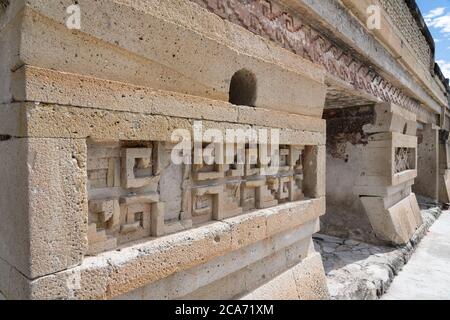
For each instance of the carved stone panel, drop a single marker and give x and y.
(125, 187)
(124, 203)
(404, 159)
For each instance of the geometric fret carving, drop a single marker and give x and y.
(124, 189)
(276, 22)
(124, 203)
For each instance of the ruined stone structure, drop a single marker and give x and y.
(91, 205)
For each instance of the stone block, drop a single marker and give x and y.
(157, 219)
(13, 284)
(427, 182)
(248, 228)
(9, 56)
(392, 118)
(179, 65)
(314, 179)
(143, 264)
(291, 215)
(305, 281)
(137, 168)
(395, 224)
(44, 204)
(40, 120)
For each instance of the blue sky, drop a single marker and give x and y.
(437, 16)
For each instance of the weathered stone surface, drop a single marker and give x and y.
(118, 272)
(396, 224)
(41, 120)
(43, 204)
(226, 277)
(181, 70)
(94, 208)
(13, 284)
(392, 118)
(375, 156)
(305, 281)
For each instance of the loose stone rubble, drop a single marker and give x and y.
(361, 271)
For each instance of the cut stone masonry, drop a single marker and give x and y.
(92, 205)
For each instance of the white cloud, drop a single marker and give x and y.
(439, 19)
(435, 13)
(445, 67)
(442, 22)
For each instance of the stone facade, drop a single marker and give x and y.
(403, 19)
(93, 206)
(372, 164)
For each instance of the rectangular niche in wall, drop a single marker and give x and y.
(243, 186)
(127, 181)
(123, 194)
(405, 159)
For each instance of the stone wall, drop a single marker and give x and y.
(93, 205)
(401, 16)
(371, 166)
(346, 140)
(100, 208)
(427, 183)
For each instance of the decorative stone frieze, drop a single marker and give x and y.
(275, 21)
(124, 189)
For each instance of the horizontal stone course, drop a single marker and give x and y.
(113, 273)
(174, 67)
(242, 270)
(56, 121)
(302, 282)
(53, 87)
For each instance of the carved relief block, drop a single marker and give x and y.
(285, 160)
(125, 184)
(256, 195)
(405, 159)
(232, 200)
(212, 166)
(207, 203)
(104, 215)
(251, 161)
(208, 172)
(236, 169)
(124, 204)
(134, 221)
(248, 197)
(137, 167)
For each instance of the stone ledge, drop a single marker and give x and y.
(360, 271)
(305, 281)
(236, 273)
(117, 272)
(55, 121)
(62, 88)
(352, 32)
